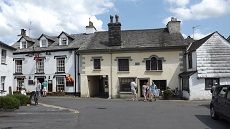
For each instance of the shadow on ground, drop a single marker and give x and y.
(213, 124)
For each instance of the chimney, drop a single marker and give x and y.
(173, 26)
(114, 31)
(90, 28)
(23, 32)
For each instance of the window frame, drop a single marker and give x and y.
(40, 67)
(97, 66)
(3, 56)
(18, 67)
(58, 63)
(62, 39)
(126, 83)
(23, 44)
(3, 81)
(44, 44)
(190, 60)
(60, 87)
(123, 68)
(208, 85)
(149, 64)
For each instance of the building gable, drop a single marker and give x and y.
(213, 57)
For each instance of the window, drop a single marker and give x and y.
(64, 41)
(20, 82)
(154, 64)
(3, 57)
(3, 82)
(18, 66)
(60, 65)
(223, 92)
(125, 84)
(97, 63)
(60, 84)
(40, 66)
(123, 64)
(23, 44)
(190, 60)
(44, 43)
(209, 82)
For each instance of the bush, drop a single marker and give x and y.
(9, 102)
(167, 94)
(23, 99)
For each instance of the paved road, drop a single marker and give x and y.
(123, 114)
(113, 114)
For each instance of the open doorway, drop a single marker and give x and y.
(41, 80)
(141, 82)
(98, 86)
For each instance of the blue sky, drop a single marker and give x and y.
(53, 16)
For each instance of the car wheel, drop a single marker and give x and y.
(213, 113)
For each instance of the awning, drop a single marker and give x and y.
(186, 74)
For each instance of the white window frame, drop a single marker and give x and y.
(23, 44)
(60, 83)
(3, 56)
(40, 65)
(60, 62)
(43, 43)
(3, 80)
(18, 68)
(62, 39)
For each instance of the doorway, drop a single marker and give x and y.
(50, 86)
(98, 86)
(141, 82)
(41, 80)
(161, 84)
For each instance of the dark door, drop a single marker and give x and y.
(103, 87)
(141, 83)
(161, 84)
(50, 86)
(41, 80)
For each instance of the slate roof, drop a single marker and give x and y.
(186, 74)
(193, 46)
(228, 38)
(7, 46)
(78, 40)
(196, 44)
(135, 39)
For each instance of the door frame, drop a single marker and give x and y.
(139, 86)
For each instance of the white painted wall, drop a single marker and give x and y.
(197, 89)
(7, 70)
(171, 69)
(29, 69)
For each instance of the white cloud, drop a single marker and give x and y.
(202, 10)
(50, 17)
(180, 3)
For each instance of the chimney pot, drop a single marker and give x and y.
(111, 19)
(117, 18)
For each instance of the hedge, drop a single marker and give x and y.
(22, 98)
(9, 102)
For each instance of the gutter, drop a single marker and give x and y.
(78, 73)
(75, 93)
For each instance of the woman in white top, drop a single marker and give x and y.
(145, 87)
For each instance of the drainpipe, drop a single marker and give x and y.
(75, 88)
(111, 82)
(78, 73)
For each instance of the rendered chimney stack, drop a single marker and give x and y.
(173, 26)
(23, 32)
(90, 28)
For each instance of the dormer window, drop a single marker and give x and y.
(43, 43)
(64, 41)
(23, 44)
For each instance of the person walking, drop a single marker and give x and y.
(44, 90)
(38, 88)
(145, 89)
(153, 91)
(133, 89)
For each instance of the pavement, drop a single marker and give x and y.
(96, 113)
